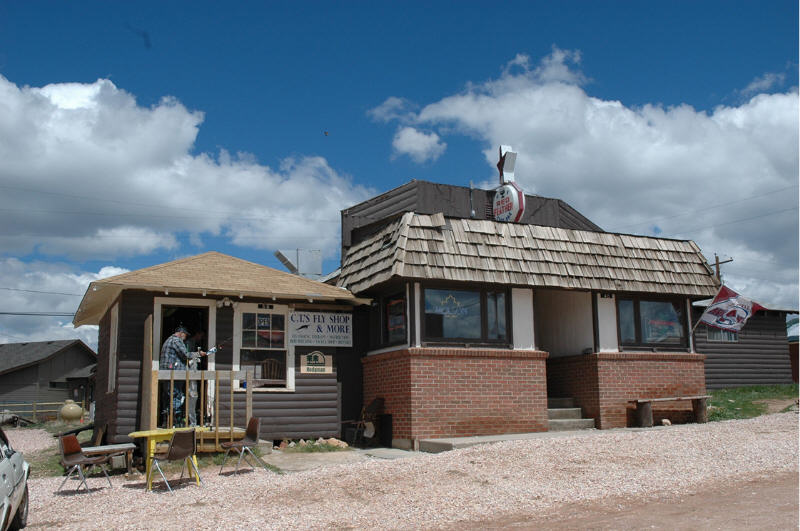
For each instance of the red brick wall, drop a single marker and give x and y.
(455, 392)
(602, 383)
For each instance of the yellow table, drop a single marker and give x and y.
(159, 435)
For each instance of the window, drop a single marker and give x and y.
(112, 348)
(651, 322)
(458, 314)
(260, 345)
(395, 319)
(722, 336)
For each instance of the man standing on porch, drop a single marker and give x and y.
(174, 356)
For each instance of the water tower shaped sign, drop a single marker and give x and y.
(509, 200)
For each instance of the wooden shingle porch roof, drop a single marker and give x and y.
(210, 273)
(433, 247)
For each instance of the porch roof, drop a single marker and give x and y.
(433, 247)
(210, 273)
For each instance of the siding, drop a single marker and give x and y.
(20, 386)
(311, 411)
(759, 357)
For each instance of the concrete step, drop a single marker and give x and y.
(564, 413)
(555, 402)
(571, 424)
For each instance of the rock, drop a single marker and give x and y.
(333, 441)
(320, 441)
(284, 444)
(666, 422)
(292, 444)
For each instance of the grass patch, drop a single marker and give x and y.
(312, 447)
(740, 402)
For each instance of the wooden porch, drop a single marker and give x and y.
(211, 432)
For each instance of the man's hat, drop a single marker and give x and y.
(183, 329)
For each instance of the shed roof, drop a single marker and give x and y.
(417, 246)
(14, 356)
(208, 273)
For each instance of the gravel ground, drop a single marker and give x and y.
(532, 477)
(29, 440)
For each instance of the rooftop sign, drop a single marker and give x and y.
(509, 200)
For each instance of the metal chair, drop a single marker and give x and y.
(367, 422)
(244, 446)
(73, 460)
(182, 447)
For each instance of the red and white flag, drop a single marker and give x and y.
(729, 310)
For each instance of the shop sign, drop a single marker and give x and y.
(316, 363)
(320, 329)
(509, 203)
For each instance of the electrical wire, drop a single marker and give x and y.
(44, 292)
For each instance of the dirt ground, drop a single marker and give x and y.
(763, 504)
(777, 405)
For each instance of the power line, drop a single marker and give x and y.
(731, 222)
(44, 292)
(617, 229)
(40, 314)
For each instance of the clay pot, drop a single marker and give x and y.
(71, 411)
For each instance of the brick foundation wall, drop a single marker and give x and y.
(603, 382)
(456, 392)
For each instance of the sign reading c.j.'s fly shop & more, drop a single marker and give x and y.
(320, 329)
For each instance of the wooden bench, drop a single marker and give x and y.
(644, 408)
(111, 450)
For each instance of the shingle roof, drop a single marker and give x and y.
(210, 272)
(431, 247)
(15, 356)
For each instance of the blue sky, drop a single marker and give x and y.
(135, 133)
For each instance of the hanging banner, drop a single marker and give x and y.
(320, 329)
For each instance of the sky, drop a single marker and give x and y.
(136, 133)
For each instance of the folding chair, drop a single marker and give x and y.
(244, 446)
(182, 447)
(366, 423)
(73, 460)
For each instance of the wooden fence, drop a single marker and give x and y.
(35, 411)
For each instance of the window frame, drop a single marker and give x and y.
(483, 291)
(113, 347)
(679, 302)
(732, 337)
(256, 307)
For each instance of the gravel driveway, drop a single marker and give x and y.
(531, 477)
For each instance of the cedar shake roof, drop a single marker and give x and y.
(433, 247)
(211, 273)
(15, 356)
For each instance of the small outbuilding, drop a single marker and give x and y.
(291, 336)
(46, 371)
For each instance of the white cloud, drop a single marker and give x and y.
(688, 173)
(764, 83)
(45, 288)
(87, 173)
(420, 146)
(392, 109)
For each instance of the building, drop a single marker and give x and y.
(256, 316)
(758, 355)
(476, 323)
(46, 371)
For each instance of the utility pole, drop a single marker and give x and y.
(717, 263)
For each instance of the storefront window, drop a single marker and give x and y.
(261, 346)
(652, 323)
(395, 319)
(455, 314)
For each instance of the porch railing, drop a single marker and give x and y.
(208, 390)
